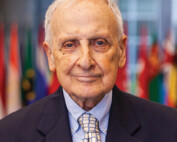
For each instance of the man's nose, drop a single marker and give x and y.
(85, 60)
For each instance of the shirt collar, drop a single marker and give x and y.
(100, 111)
(75, 111)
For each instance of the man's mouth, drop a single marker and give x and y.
(87, 78)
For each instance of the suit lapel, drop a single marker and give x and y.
(54, 123)
(123, 122)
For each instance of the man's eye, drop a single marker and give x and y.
(100, 43)
(68, 45)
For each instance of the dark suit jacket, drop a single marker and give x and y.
(131, 120)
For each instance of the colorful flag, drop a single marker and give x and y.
(169, 71)
(2, 73)
(155, 76)
(143, 65)
(13, 99)
(172, 87)
(122, 74)
(54, 84)
(169, 49)
(42, 71)
(28, 91)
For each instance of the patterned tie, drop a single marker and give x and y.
(90, 126)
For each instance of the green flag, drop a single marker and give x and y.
(155, 77)
(28, 72)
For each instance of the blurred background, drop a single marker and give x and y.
(150, 71)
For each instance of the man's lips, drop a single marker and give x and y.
(86, 78)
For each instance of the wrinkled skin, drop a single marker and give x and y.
(85, 50)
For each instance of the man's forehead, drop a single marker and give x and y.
(74, 6)
(84, 18)
(74, 3)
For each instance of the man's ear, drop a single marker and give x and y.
(49, 56)
(122, 54)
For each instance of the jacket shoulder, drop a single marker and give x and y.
(147, 107)
(23, 119)
(157, 121)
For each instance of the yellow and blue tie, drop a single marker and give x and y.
(90, 126)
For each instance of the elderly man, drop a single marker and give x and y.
(85, 45)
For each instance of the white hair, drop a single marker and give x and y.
(47, 23)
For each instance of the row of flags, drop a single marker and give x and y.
(161, 67)
(25, 77)
(24, 74)
(156, 72)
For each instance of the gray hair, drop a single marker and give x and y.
(47, 24)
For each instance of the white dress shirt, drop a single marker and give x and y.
(100, 111)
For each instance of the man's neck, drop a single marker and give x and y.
(87, 103)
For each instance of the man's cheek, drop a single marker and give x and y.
(64, 64)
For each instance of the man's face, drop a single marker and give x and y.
(85, 49)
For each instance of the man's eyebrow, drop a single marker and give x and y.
(105, 36)
(90, 37)
(67, 38)
(99, 35)
(64, 39)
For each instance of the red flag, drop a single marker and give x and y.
(122, 75)
(2, 73)
(13, 77)
(143, 65)
(54, 83)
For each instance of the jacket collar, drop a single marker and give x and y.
(123, 122)
(54, 122)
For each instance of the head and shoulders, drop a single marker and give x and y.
(86, 51)
(85, 45)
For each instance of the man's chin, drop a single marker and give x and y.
(89, 93)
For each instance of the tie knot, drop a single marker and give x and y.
(88, 123)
